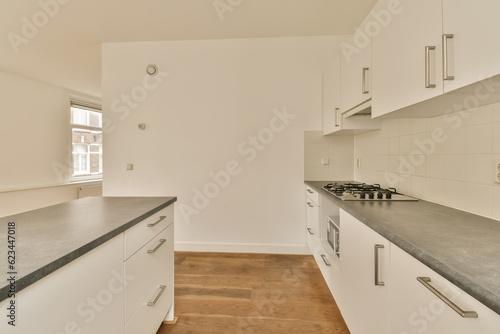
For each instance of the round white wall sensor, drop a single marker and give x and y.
(152, 69)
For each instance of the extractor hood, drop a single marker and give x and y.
(362, 109)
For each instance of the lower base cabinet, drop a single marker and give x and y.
(365, 276)
(415, 309)
(109, 290)
(328, 265)
(381, 289)
(84, 296)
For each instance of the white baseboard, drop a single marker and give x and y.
(242, 248)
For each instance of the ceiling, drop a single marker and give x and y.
(59, 41)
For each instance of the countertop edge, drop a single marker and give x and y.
(49, 268)
(475, 290)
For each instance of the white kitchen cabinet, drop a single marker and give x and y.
(147, 266)
(141, 233)
(407, 55)
(331, 97)
(328, 265)
(365, 273)
(84, 296)
(312, 212)
(355, 69)
(334, 122)
(106, 291)
(474, 50)
(151, 294)
(415, 309)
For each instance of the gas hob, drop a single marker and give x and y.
(365, 192)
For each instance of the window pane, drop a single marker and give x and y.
(78, 116)
(86, 117)
(95, 119)
(95, 164)
(95, 149)
(80, 164)
(80, 148)
(87, 142)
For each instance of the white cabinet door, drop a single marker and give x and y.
(355, 70)
(365, 273)
(312, 212)
(312, 217)
(331, 97)
(399, 55)
(474, 50)
(84, 296)
(415, 309)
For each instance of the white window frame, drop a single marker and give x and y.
(90, 106)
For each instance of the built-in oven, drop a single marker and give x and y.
(333, 234)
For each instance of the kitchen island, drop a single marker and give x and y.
(86, 255)
(460, 246)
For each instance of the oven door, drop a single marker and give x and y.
(333, 234)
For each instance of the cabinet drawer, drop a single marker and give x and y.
(148, 319)
(312, 195)
(145, 269)
(140, 234)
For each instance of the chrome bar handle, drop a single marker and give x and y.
(310, 191)
(337, 117)
(428, 67)
(377, 264)
(157, 222)
(310, 231)
(323, 256)
(310, 205)
(162, 289)
(464, 314)
(363, 84)
(152, 251)
(446, 76)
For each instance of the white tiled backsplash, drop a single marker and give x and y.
(338, 149)
(447, 159)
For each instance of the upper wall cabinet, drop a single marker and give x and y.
(355, 75)
(428, 48)
(470, 41)
(331, 97)
(334, 121)
(406, 54)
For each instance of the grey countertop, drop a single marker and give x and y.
(462, 247)
(49, 238)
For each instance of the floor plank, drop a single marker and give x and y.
(251, 293)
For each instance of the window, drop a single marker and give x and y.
(86, 141)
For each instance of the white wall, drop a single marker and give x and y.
(446, 159)
(34, 144)
(339, 150)
(201, 117)
(35, 132)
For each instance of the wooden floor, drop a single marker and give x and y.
(251, 293)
